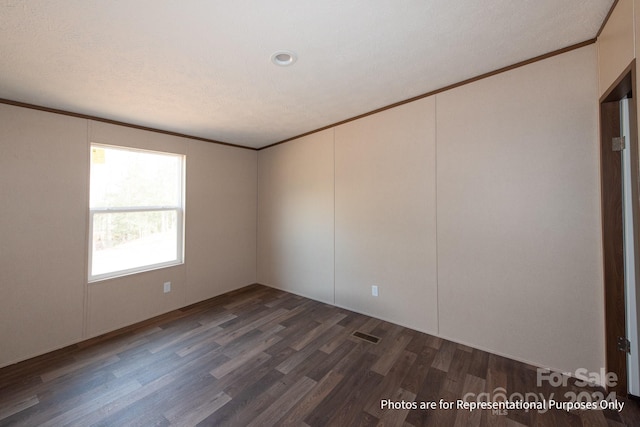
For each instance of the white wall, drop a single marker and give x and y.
(45, 301)
(511, 165)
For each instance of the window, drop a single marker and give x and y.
(136, 211)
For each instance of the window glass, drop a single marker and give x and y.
(136, 211)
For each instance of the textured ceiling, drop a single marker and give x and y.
(202, 67)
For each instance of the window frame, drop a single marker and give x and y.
(180, 217)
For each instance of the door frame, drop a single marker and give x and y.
(612, 217)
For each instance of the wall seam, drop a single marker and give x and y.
(435, 163)
(257, 207)
(334, 215)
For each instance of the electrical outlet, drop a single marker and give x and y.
(374, 290)
(167, 287)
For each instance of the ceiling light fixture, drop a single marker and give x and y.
(284, 58)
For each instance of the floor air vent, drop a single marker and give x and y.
(366, 337)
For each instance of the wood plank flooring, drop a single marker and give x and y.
(263, 357)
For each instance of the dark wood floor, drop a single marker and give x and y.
(261, 357)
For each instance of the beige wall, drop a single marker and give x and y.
(296, 216)
(519, 236)
(43, 192)
(386, 215)
(514, 175)
(616, 44)
(46, 302)
(221, 219)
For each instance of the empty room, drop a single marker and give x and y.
(336, 213)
